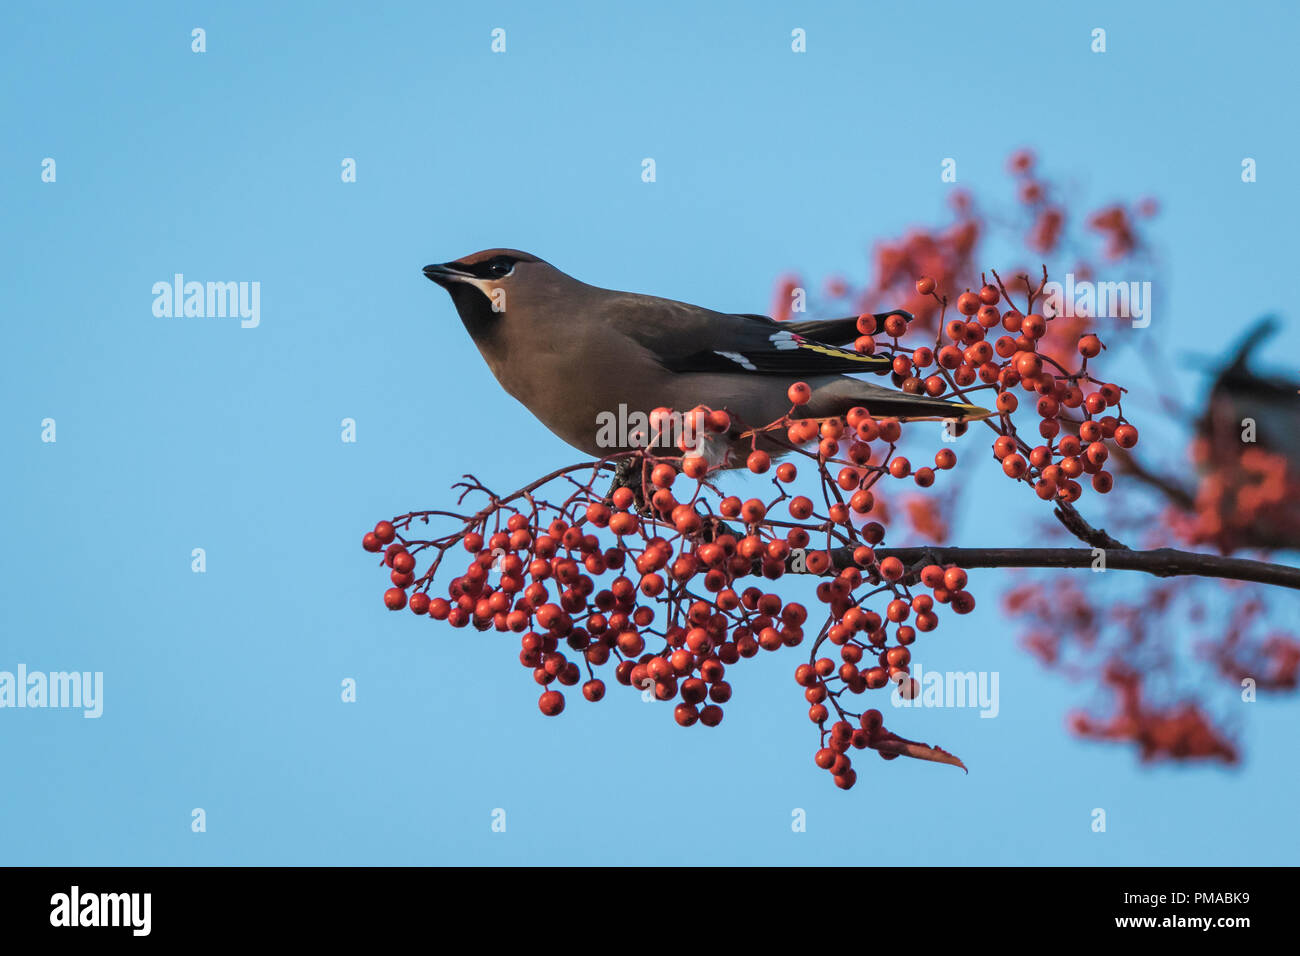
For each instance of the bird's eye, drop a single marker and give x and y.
(501, 267)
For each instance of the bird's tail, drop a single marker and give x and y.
(837, 397)
(1261, 330)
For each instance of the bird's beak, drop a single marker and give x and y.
(447, 273)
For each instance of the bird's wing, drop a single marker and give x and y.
(687, 338)
(840, 331)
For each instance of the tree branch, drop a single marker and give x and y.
(1161, 562)
(1078, 526)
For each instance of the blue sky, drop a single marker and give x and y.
(222, 688)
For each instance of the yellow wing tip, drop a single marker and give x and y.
(835, 351)
(978, 413)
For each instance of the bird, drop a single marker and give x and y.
(573, 353)
(1239, 392)
(1248, 458)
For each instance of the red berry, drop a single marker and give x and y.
(1126, 436)
(694, 466)
(925, 285)
(898, 656)
(663, 476)
(624, 523)
(1029, 364)
(891, 569)
(963, 602)
(385, 532)
(551, 703)
(895, 326)
(1090, 346)
(395, 599)
(799, 393)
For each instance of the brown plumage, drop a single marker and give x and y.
(572, 352)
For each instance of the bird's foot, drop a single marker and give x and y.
(627, 474)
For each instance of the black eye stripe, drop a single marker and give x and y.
(484, 270)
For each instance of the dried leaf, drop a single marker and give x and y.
(893, 744)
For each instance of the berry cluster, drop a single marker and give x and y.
(667, 578)
(1071, 405)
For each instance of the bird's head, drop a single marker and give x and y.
(482, 284)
